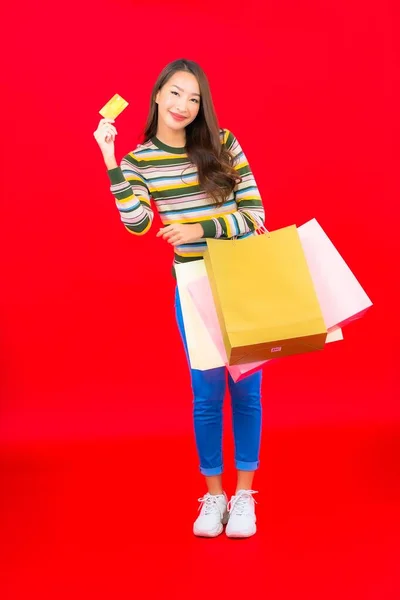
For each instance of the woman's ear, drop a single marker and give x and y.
(157, 96)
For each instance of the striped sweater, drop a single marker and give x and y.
(166, 175)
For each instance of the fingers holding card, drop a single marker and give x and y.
(106, 132)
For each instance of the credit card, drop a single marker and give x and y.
(114, 107)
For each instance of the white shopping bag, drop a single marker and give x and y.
(203, 353)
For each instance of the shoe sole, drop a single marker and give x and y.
(207, 534)
(239, 535)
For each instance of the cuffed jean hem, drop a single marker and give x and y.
(211, 472)
(246, 466)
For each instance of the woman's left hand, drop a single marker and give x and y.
(181, 234)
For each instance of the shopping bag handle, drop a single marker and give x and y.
(263, 231)
(260, 231)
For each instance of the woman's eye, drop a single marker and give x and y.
(173, 92)
(195, 100)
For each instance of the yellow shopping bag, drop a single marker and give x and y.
(265, 297)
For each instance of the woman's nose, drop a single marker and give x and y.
(181, 106)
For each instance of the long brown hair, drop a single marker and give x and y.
(217, 176)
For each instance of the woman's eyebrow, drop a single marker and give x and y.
(182, 90)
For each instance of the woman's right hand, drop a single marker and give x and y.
(105, 137)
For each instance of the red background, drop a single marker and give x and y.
(89, 346)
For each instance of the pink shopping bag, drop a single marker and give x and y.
(340, 295)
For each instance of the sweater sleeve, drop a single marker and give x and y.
(132, 196)
(249, 215)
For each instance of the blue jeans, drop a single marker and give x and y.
(208, 395)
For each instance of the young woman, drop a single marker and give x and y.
(202, 186)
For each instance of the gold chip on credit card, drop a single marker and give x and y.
(114, 107)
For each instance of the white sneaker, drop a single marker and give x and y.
(242, 516)
(213, 515)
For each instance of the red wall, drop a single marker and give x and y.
(88, 340)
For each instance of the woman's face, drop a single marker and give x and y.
(179, 100)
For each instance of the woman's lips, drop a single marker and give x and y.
(178, 117)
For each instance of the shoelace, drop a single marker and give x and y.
(238, 504)
(210, 504)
